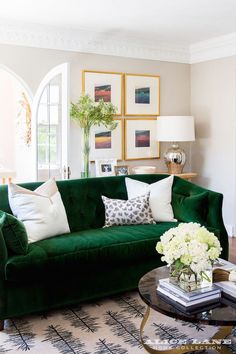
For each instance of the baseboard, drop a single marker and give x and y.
(230, 230)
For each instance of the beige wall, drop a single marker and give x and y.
(213, 98)
(14, 154)
(32, 64)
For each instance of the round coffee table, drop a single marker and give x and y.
(222, 314)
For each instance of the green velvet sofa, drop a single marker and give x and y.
(93, 261)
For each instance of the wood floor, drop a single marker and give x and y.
(232, 249)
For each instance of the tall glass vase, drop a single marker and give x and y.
(85, 151)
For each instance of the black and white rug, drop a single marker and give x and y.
(108, 326)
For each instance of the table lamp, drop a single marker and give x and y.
(175, 129)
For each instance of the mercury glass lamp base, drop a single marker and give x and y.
(175, 159)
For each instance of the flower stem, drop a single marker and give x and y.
(86, 151)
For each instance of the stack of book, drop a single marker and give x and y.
(228, 288)
(223, 264)
(189, 300)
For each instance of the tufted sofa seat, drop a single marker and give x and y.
(115, 245)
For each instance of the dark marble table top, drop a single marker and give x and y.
(221, 313)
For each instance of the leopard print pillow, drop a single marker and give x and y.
(127, 212)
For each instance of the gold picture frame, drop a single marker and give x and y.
(140, 139)
(104, 84)
(108, 145)
(141, 95)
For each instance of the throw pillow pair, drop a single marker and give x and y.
(146, 204)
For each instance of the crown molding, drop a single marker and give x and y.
(215, 48)
(83, 41)
(32, 35)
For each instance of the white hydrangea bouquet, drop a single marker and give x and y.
(190, 250)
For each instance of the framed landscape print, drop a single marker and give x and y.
(142, 95)
(105, 143)
(140, 139)
(103, 85)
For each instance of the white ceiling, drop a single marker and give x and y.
(176, 24)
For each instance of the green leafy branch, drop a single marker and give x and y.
(87, 113)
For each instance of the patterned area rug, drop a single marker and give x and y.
(108, 326)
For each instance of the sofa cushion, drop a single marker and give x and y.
(191, 208)
(14, 233)
(68, 255)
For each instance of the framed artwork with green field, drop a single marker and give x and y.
(105, 143)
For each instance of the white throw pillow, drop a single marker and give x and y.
(42, 210)
(160, 196)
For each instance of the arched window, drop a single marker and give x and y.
(51, 125)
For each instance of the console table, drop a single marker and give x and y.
(188, 175)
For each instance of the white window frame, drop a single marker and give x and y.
(62, 69)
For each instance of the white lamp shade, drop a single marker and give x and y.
(175, 128)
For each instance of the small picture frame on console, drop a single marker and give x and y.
(105, 167)
(122, 170)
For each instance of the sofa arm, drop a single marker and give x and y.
(215, 220)
(208, 210)
(3, 254)
(3, 261)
